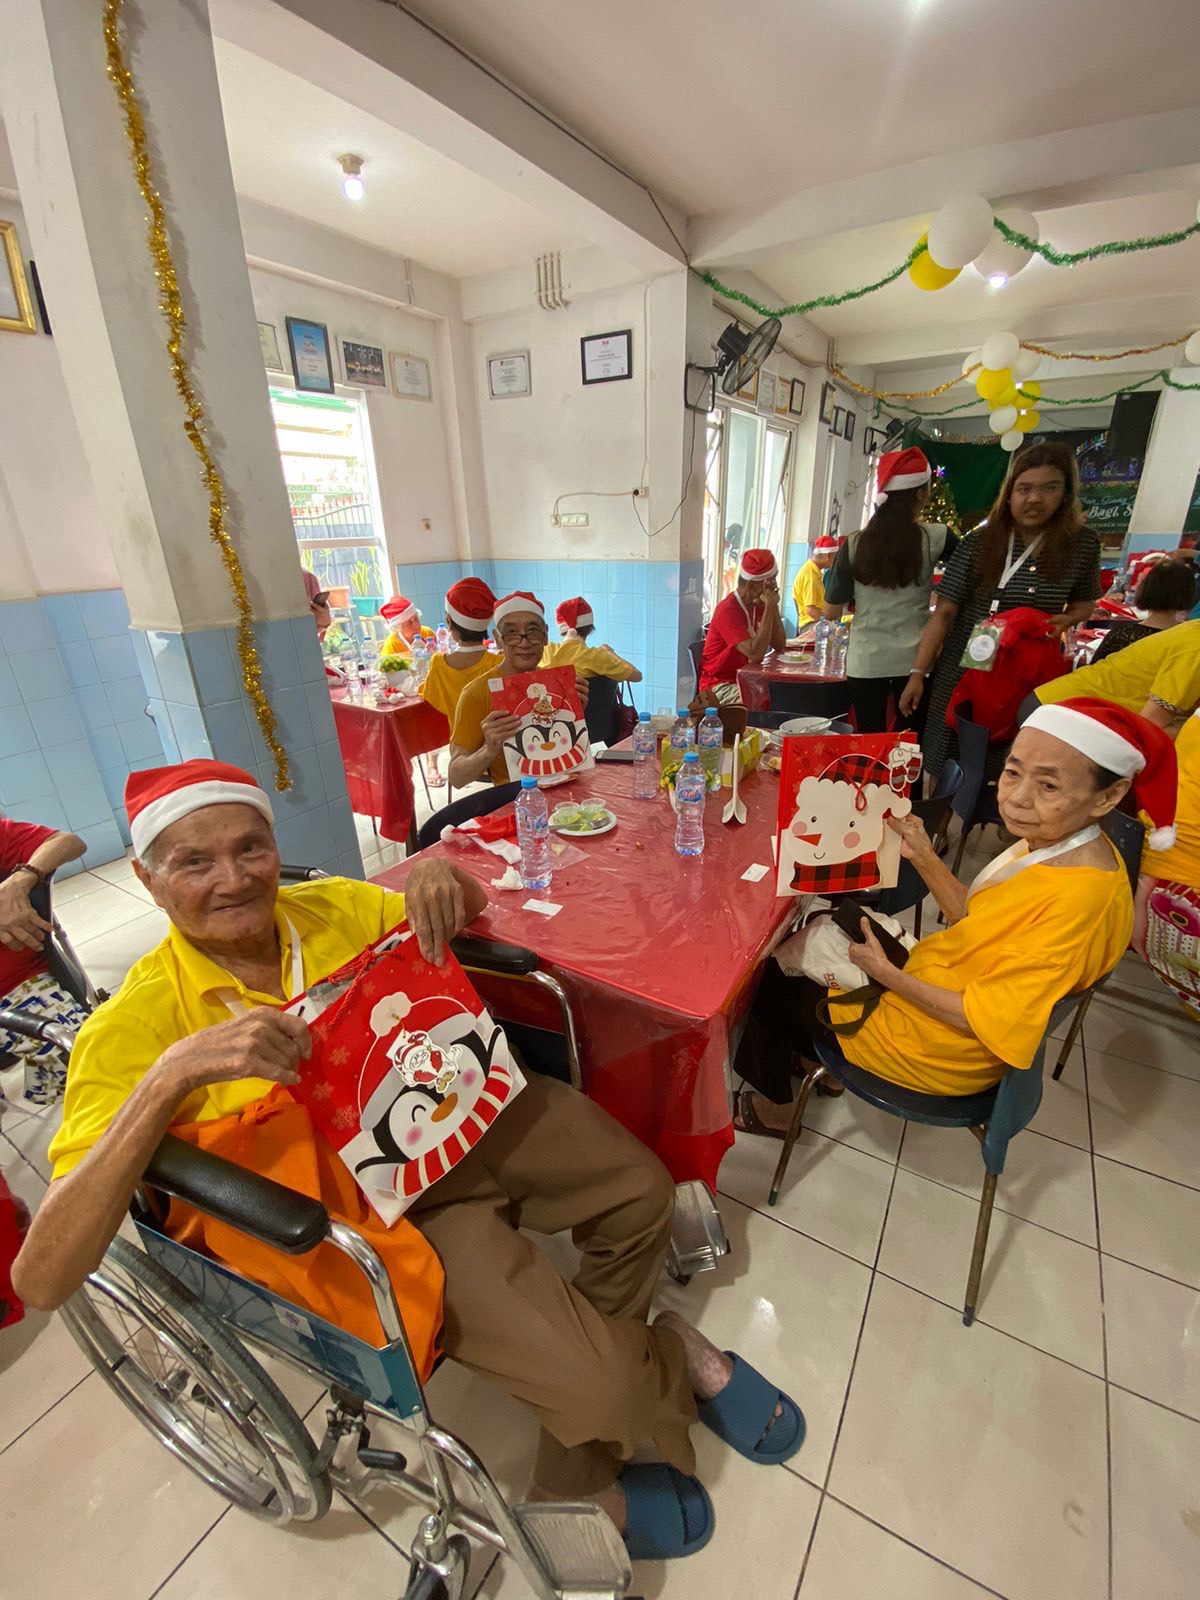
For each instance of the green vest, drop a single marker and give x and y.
(888, 622)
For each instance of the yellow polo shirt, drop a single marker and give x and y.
(466, 730)
(808, 590)
(1181, 863)
(1164, 667)
(444, 685)
(589, 661)
(174, 992)
(397, 645)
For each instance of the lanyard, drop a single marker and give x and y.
(1019, 856)
(234, 1002)
(1014, 564)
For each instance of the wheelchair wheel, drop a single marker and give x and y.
(196, 1388)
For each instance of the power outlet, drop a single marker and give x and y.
(574, 519)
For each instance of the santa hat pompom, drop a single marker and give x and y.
(1161, 838)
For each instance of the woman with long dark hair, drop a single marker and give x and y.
(885, 572)
(1033, 551)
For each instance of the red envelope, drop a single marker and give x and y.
(551, 744)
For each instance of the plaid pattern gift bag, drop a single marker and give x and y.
(408, 1069)
(835, 796)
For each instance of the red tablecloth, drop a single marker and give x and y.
(378, 744)
(658, 953)
(756, 696)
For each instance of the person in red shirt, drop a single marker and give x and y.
(744, 626)
(29, 855)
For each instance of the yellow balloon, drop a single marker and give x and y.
(1027, 421)
(990, 384)
(926, 273)
(1029, 391)
(1007, 397)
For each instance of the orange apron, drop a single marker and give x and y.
(275, 1138)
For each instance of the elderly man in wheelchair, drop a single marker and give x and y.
(246, 1196)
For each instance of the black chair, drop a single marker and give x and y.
(935, 813)
(975, 803)
(479, 804)
(601, 711)
(809, 699)
(696, 651)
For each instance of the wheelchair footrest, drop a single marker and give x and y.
(698, 1239)
(579, 1549)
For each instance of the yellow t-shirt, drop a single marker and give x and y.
(1165, 666)
(1181, 863)
(588, 661)
(1022, 945)
(173, 992)
(808, 590)
(397, 645)
(444, 685)
(466, 730)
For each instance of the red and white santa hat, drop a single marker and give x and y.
(825, 543)
(574, 613)
(1127, 744)
(519, 600)
(398, 610)
(471, 604)
(901, 469)
(156, 798)
(756, 566)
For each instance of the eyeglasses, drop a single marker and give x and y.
(524, 636)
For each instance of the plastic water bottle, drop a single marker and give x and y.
(822, 634)
(689, 807)
(709, 737)
(533, 835)
(420, 655)
(645, 763)
(839, 645)
(443, 638)
(683, 735)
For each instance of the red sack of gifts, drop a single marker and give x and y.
(408, 1070)
(836, 793)
(1029, 654)
(551, 744)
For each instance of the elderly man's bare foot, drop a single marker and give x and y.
(709, 1369)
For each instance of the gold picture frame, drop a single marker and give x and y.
(16, 303)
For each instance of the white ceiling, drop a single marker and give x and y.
(285, 134)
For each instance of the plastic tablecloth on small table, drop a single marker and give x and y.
(786, 667)
(378, 745)
(659, 953)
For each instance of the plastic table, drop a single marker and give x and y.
(753, 682)
(378, 745)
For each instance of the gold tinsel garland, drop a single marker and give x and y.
(170, 303)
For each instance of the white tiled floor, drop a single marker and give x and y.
(1051, 1450)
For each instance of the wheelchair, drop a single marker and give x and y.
(173, 1333)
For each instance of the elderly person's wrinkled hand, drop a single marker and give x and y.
(20, 926)
(262, 1043)
(581, 689)
(870, 956)
(497, 727)
(914, 841)
(435, 906)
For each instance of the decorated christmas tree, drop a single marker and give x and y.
(941, 507)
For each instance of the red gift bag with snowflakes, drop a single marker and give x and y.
(408, 1069)
(551, 744)
(836, 793)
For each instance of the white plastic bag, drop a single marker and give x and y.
(821, 951)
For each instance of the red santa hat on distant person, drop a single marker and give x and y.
(470, 604)
(1127, 744)
(519, 600)
(757, 566)
(398, 610)
(901, 469)
(159, 796)
(825, 545)
(574, 613)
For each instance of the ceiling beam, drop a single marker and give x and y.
(1080, 165)
(394, 67)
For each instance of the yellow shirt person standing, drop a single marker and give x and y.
(576, 622)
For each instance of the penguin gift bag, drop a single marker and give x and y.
(551, 744)
(408, 1069)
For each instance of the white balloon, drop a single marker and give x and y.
(975, 359)
(961, 229)
(1013, 440)
(1191, 350)
(1000, 351)
(1027, 363)
(1000, 256)
(1003, 420)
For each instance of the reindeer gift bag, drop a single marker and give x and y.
(551, 744)
(835, 796)
(408, 1070)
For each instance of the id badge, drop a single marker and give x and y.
(980, 652)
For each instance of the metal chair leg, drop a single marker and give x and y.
(981, 1238)
(1068, 1043)
(811, 1080)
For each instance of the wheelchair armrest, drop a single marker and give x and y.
(28, 1027)
(510, 959)
(266, 1210)
(300, 874)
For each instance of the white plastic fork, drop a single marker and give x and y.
(735, 811)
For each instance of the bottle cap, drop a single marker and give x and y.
(712, 712)
(643, 716)
(692, 756)
(529, 783)
(681, 711)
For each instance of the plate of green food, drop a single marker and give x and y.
(582, 820)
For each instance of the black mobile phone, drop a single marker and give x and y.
(616, 755)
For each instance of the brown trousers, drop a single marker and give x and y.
(579, 1354)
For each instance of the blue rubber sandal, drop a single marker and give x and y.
(667, 1514)
(741, 1415)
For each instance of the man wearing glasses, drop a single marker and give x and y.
(478, 734)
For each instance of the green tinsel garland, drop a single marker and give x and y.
(1050, 400)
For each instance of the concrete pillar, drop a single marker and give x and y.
(1172, 461)
(87, 225)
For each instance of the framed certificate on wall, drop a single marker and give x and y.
(508, 375)
(606, 357)
(410, 377)
(308, 343)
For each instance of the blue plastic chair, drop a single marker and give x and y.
(975, 803)
(995, 1117)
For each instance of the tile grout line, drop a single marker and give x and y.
(1108, 1475)
(41, 1417)
(190, 1552)
(928, 1554)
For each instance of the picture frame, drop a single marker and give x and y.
(411, 378)
(796, 401)
(606, 357)
(16, 303)
(363, 364)
(767, 386)
(848, 421)
(828, 396)
(783, 397)
(509, 376)
(749, 392)
(268, 343)
(838, 426)
(872, 441)
(308, 345)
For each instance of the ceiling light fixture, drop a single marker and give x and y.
(352, 183)
(997, 280)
